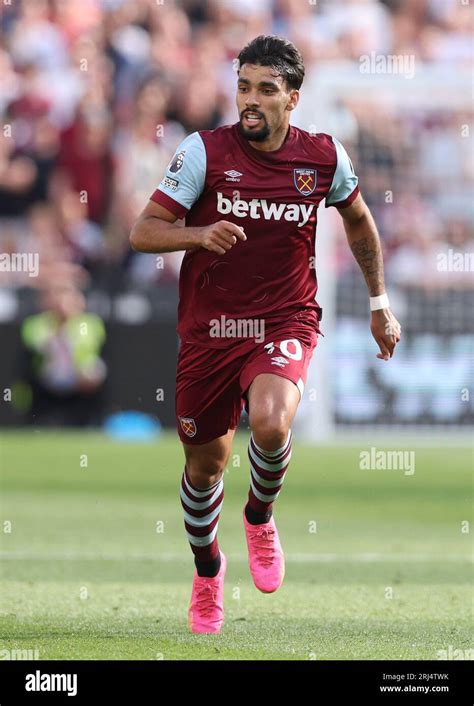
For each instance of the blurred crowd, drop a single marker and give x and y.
(96, 94)
(416, 171)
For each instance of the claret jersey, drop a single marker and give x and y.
(217, 175)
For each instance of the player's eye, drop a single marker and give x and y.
(242, 88)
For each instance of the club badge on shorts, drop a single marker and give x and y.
(188, 425)
(305, 180)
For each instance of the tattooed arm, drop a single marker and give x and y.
(364, 242)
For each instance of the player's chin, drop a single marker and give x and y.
(254, 134)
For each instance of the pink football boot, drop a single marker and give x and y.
(206, 609)
(266, 558)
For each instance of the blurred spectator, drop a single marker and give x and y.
(18, 178)
(85, 164)
(65, 370)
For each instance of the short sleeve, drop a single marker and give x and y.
(183, 182)
(344, 187)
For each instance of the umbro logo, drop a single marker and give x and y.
(232, 175)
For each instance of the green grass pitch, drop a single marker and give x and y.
(96, 564)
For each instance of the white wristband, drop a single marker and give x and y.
(380, 302)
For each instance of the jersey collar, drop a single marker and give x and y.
(273, 156)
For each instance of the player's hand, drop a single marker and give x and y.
(386, 330)
(221, 236)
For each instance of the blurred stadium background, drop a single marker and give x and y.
(94, 97)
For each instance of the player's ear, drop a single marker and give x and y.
(293, 100)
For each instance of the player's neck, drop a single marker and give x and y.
(274, 142)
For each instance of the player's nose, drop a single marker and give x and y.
(251, 102)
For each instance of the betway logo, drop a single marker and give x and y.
(258, 208)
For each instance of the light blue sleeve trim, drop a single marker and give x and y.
(344, 181)
(186, 173)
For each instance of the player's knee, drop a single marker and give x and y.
(204, 472)
(270, 433)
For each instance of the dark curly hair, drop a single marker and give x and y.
(277, 52)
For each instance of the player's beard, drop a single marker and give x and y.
(255, 135)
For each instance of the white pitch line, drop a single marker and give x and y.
(328, 558)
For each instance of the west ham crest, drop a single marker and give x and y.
(188, 425)
(305, 180)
